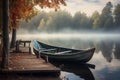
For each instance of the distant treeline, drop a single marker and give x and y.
(108, 20)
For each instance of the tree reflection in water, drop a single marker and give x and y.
(106, 49)
(110, 49)
(117, 50)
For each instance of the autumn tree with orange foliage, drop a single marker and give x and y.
(21, 10)
(25, 10)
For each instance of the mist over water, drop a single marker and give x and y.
(88, 36)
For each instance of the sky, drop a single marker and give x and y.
(86, 6)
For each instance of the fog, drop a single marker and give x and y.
(72, 35)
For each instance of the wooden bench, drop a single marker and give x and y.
(18, 42)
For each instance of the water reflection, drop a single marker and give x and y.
(106, 48)
(79, 71)
(105, 70)
(117, 50)
(110, 49)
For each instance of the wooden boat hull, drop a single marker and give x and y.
(73, 56)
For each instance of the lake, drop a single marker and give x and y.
(106, 58)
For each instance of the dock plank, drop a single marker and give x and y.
(28, 63)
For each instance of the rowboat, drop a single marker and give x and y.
(54, 53)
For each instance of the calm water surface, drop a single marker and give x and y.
(106, 58)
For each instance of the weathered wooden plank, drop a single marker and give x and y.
(28, 63)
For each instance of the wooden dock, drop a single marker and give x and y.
(26, 63)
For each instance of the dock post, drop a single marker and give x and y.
(29, 49)
(24, 44)
(46, 59)
(39, 54)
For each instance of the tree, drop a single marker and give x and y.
(81, 21)
(20, 10)
(84, 22)
(34, 23)
(117, 15)
(1, 23)
(12, 45)
(42, 24)
(95, 19)
(61, 20)
(1, 15)
(77, 19)
(106, 16)
(5, 54)
(56, 21)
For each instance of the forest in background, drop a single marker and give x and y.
(107, 20)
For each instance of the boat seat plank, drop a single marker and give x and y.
(63, 52)
(47, 50)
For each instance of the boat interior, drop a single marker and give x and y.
(53, 49)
